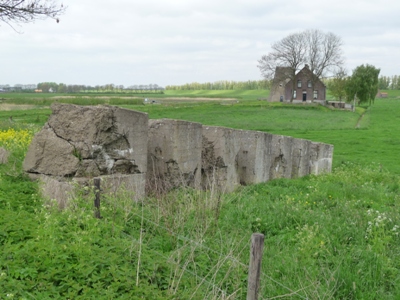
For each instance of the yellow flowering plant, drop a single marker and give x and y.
(16, 139)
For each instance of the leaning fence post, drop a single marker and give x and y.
(256, 251)
(96, 182)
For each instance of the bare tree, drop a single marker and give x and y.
(287, 55)
(321, 51)
(26, 11)
(324, 54)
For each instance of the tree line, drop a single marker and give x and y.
(53, 87)
(384, 82)
(223, 85)
(389, 82)
(362, 85)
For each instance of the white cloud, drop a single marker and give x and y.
(179, 41)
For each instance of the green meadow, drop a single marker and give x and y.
(334, 236)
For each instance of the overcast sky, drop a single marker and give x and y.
(171, 42)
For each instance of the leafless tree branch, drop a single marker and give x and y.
(26, 11)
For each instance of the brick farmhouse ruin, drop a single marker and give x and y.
(305, 86)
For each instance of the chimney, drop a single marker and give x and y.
(307, 66)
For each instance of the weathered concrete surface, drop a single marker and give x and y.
(4, 154)
(131, 186)
(232, 157)
(300, 158)
(174, 154)
(82, 142)
(50, 155)
(321, 156)
(53, 189)
(253, 161)
(62, 190)
(87, 141)
(219, 158)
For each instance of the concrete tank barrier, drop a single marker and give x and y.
(239, 157)
(83, 142)
(174, 154)
(219, 163)
(126, 149)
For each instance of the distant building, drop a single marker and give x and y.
(281, 78)
(381, 95)
(303, 90)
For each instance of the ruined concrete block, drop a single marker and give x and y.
(89, 141)
(320, 158)
(49, 154)
(117, 185)
(174, 153)
(62, 190)
(4, 154)
(83, 142)
(53, 189)
(130, 152)
(281, 157)
(300, 158)
(219, 158)
(133, 126)
(233, 157)
(253, 159)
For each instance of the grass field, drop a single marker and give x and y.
(335, 236)
(362, 144)
(373, 140)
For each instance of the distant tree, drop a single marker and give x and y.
(223, 85)
(363, 84)
(337, 85)
(290, 52)
(384, 82)
(26, 11)
(48, 86)
(395, 82)
(321, 51)
(62, 88)
(323, 54)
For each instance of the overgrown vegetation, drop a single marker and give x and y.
(334, 236)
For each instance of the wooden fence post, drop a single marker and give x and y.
(256, 251)
(96, 182)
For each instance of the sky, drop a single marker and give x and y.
(127, 42)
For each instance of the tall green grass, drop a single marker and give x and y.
(334, 236)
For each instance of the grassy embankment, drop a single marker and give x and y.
(334, 236)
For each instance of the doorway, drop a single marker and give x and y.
(304, 96)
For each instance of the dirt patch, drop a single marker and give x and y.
(95, 97)
(8, 107)
(197, 99)
(150, 98)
